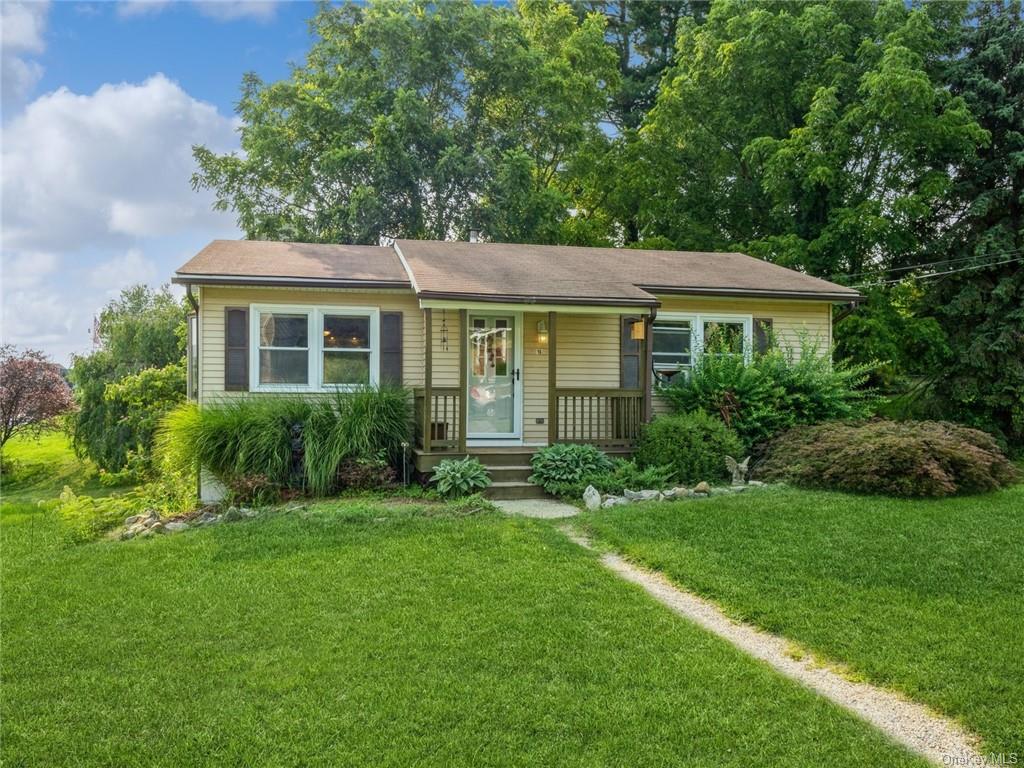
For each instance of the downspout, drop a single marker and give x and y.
(648, 378)
(193, 339)
(845, 312)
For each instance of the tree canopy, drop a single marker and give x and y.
(876, 143)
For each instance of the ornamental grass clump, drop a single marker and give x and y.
(288, 442)
(910, 458)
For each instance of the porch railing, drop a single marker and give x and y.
(443, 424)
(605, 417)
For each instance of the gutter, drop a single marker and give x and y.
(756, 293)
(524, 299)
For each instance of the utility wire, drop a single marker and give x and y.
(938, 274)
(942, 262)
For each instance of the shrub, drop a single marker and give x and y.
(564, 464)
(256, 490)
(293, 443)
(366, 474)
(460, 477)
(912, 458)
(693, 445)
(623, 474)
(775, 391)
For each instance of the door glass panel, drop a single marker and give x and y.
(492, 380)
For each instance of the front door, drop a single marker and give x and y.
(494, 378)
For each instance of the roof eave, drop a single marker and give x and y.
(284, 282)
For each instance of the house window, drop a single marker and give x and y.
(283, 348)
(679, 340)
(314, 349)
(723, 337)
(346, 356)
(672, 351)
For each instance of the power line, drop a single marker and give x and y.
(942, 262)
(938, 274)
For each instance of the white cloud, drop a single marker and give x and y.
(22, 26)
(130, 268)
(97, 197)
(89, 170)
(221, 10)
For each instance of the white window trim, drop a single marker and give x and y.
(314, 323)
(697, 330)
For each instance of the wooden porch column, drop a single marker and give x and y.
(428, 376)
(463, 377)
(552, 380)
(648, 363)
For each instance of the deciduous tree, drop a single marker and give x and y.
(33, 393)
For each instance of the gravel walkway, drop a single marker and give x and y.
(906, 722)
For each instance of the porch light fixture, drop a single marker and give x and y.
(542, 332)
(636, 330)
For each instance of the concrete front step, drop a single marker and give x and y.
(514, 490)
(510, 473)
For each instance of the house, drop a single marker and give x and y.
(506, 347)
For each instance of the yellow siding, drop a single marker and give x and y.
(790, 319)
(213, 300)
(587, 344)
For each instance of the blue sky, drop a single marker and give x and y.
(101, 104)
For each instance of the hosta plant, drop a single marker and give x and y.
(563, 464)
(460, 477)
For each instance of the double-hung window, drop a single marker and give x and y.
(313, 348)
(680, 339)
(672, 350)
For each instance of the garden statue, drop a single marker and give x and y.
(738, 469)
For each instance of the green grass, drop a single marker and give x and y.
(922, 596)
(44, 465)
(377, 633)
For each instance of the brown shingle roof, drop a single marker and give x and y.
(567, 274)
(264, 261)
(507, 272)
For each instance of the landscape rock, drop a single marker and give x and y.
(176, 526)
(613, 501)
(132, 520)
(127, 534)
(679, 492)
(755, 483)
(592, 498)
(233, 513)
(246, 512)
(647, 495)
(702, 487)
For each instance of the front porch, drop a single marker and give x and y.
(551, 405)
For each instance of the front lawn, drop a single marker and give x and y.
(922, 596)
(376, 633)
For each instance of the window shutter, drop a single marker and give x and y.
(762, 334)
(629, 354)
(236, 349)
(391, 348)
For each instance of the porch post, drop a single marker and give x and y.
(428, 376)
(552, 380)
(648, 364)
(463, 377)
